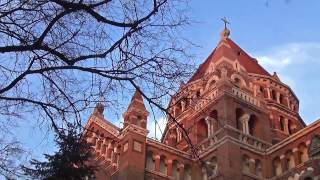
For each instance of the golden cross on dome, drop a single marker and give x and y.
(225, 20)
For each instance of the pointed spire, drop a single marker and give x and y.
(136, 112)
(275, 76)
(137, 96)
(137, 101)
(98, 110)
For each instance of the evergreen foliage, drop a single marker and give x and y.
(68, 163)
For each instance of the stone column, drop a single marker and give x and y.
(245, 123)
(109, 151)
(283, 161)
(255, 90)
(288, 102)
(181, 171)
(278, 97)
(252, 166)
(114, 160)
(157, 163)
(204, 173)
(103, 147)
(208, 122)
(94, 139)
(169, 167)
(269, 93)
(296, 156)
(183, 106)
(286, 127)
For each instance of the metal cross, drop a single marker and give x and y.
(225, 20)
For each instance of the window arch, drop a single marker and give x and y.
(258, 168)
(290, 160)
(274, 95)
(303, 153)
(187, 172)
(238, 80)
(281, 99)
(202, 130)
(245, 164)
(277, 169)
(290, 127)
(282, 123)
(175, 170)
(213, 166)
(212, 81)
(163, 165)
(239, 114)
(252, 125)
(150, 163)
(215, 122)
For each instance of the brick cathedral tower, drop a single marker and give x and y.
(243, 123)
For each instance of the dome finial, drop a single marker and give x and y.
(226, 32)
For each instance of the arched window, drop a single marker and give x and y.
(281, 99)
(303, 153)
(163, 165)
(215, 123)
(237, 82)
(104, 146)
(258, 170)
(290, 160)
(239, 113)
(277, 169)
(187, 172)
(213, 167)
(175, 170)
(274, 95)
(150, 163)
(202, 130)
(245, 164)
(252, 125)
(282, 123)
(290, 126)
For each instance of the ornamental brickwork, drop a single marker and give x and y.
(243, 123)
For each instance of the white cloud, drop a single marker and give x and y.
(154, 128)
(286, 59)
(297, 65)
(280, 57)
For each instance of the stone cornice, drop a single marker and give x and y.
(110, 128)
(134, 128)
(170, 149)
(278, 82)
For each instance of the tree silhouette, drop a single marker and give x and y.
(70, 162)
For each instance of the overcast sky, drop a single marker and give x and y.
(283, 35)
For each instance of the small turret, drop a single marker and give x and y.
(136, 113)
(98, 110)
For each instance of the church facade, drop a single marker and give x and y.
(231, 121)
